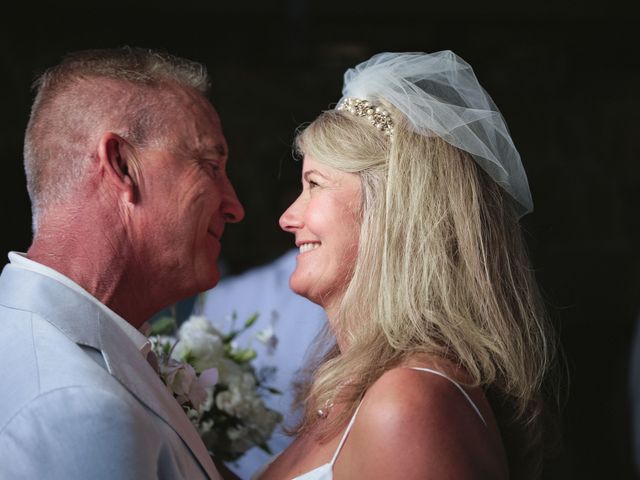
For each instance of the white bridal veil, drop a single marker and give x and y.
(440, 95)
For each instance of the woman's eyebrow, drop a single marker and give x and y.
(306, 174)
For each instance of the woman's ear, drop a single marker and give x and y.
(114, 156)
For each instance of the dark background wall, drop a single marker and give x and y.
(565, 77)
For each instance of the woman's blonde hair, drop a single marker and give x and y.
(442, 269)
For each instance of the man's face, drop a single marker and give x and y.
(186, 199)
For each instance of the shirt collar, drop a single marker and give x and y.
(20, 260)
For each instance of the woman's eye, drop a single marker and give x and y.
(312, 184)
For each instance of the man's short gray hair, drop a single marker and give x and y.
(125, 90)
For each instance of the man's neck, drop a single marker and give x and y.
(100, 267)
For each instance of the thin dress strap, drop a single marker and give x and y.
(345, 435)
(466, 395)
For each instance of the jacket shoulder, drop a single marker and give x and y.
(79, 432)
(37, 358)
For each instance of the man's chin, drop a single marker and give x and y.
(209, 279)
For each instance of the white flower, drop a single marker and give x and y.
(268, 335)
(199, 343)
(206, 426)
(208, 403)
(214, 380)
(198, 323)
(241, 438)
(268, 338)
(162, 344)
(229, 371)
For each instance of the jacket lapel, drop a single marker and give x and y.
(131, 369)
(87, 324)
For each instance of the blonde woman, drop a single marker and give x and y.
(408, 232)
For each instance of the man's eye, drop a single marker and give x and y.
(215, 169)
(312, 184)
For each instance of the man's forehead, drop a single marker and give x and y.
(208, 133)
(200, 126)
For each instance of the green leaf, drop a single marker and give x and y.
(228, 338)
(188, 357)
(251, 320)
(243, 356)
(164, 326)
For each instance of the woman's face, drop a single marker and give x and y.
(325, 219)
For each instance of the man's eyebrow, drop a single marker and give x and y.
(218, 150)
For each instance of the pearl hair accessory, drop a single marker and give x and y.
(378, 117)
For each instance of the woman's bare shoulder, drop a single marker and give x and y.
(420, 424)
(408, 399)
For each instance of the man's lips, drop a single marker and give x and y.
(214, 234)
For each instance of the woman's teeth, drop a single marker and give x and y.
(305, 247)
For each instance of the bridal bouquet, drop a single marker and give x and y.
(216, 384)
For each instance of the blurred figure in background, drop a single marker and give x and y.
(287, 325)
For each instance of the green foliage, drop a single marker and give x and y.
(164, 326)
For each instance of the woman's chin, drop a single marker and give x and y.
(303, 290)
(298, 290)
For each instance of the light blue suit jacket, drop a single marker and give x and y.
(77, 399)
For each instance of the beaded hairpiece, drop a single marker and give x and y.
(379, 117)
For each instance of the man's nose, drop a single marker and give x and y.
(232, 209)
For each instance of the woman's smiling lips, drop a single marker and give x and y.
(307, 246)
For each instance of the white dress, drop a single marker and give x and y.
(325, 472)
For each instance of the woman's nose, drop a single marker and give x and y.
(291, 219)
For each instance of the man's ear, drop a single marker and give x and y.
(115, 158)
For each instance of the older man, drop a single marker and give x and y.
(125, 161)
